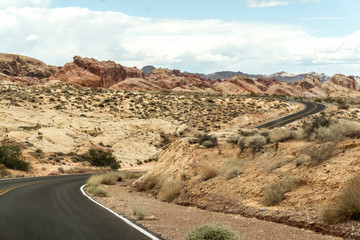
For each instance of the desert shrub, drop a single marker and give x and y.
(11, 157)
(3, 171)
(256, 143)
(248, 132)
(208, 172)
(211, 232)
(147, 183)
(139, 213)
(170, 190)
(317, 122)
(320, 152)
(97, 192)
(205, 140)
(274, 193)
(109, 178)
(281, 134)
(233, 168)
(101, 158)
(233, 139)
(347, 204)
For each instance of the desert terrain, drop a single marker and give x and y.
(193, 136)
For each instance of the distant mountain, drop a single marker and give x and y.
(148, 69)
(282, 76)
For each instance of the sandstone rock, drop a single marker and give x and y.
(308, 82)
(24, 70)
(241, 84)
(345, 81)
(90, 72)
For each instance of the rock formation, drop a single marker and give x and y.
(89, 72)
(24, 70)
(344, 81)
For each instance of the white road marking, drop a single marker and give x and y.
(121, 217)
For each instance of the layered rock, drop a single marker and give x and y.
(89, 72)
(24, 70)
(240, 84)
(308, 82)
(348, 82)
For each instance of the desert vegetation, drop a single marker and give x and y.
(211, 232)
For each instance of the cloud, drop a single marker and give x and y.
(24, 3)
(56, 35)
(274, 3)
(268, 3)
(321, 18)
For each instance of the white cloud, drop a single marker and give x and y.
(268, 3)
(56, 35)
(24, 3)
(273, 3)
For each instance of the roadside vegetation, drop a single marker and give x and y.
(101, 158)
(211, 232)
(11, 156)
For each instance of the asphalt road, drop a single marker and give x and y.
(54, 208)
(310, 108)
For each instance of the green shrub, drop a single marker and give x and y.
(11, 157)
(347, 204)
(101, 158)
(211, 232)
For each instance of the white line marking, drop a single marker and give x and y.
(121, 217)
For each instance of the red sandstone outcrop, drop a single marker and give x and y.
(24, 70)
(240, 84)
(90, 72)
(267, 81)
(308, 82)
(345, 81)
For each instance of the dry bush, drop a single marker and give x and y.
(320, 152)
(211, 232)
(208, 172)
(233, 168)
(111, 178)
(248, 132)
(347, 204)
(256, 143)
(170, 190)
(147, 183)
(281, 134)
(274, 193)
(97, 192)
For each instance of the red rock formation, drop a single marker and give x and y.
(344, 81)
(240, 84)
(308, 82)
(90, 72)
(266, 81)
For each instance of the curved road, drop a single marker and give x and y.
(54, 208)
(310, 108)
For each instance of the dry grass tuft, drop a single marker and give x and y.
(170, 190)
(347, 204)
(97, 192)
(208, 172)
(320, 153)
(148, 183)
(111, 178)
(274, 193)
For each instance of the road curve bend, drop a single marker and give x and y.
(55, 208)
(310, 108)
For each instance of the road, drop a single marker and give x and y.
(310, 108)
(55, 208)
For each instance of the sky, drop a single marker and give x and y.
(204, 36)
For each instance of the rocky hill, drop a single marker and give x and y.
(89, 72)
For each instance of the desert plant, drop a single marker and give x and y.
(3, 171)
(11, 157)
(147, 183)
(281, 134)
(208, 172)
(205, 140)
(138, 213)
(256, 143)
(320, 152)
(347, 205)
(233, 168)
(274, 193)
(101, 158)
(317, 122)
(170, 190)
(97, 192)
(211, 232)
